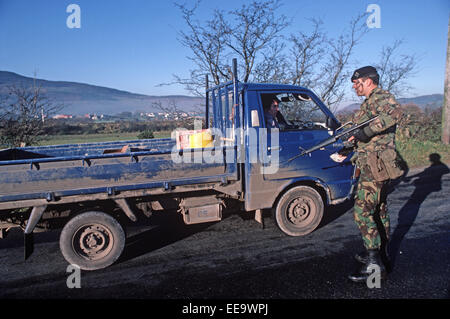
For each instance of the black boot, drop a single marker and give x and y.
(384, 255)
(373, 260)
(361, 257)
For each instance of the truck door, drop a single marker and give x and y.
(302, 122)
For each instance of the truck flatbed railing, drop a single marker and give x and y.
(219, 86)
(85, 158)
(134, 156)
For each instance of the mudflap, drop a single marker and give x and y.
(28, 243)
(28, 238)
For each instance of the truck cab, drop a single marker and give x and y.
(274, 176)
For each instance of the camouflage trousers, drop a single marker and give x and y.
(370, 210)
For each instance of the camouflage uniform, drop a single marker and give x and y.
(370, 208)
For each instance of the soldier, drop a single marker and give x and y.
(377, 159)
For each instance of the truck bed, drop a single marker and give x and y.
(50, 172)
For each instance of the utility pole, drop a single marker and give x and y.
(446, 107)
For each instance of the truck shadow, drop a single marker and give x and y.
(333, 212)
(164, 229)
(426, 182)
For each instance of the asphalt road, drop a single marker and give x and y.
(237, 259)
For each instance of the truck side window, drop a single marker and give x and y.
(301, 112)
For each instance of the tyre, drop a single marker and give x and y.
(92, 240)
(299, 211)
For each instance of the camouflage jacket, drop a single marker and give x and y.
(383, 104)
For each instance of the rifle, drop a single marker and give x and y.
(346, 134)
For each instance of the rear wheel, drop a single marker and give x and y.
(299, 211)
(92, 240)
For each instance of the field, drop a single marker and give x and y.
(101, 137)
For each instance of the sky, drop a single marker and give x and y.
(133, 45)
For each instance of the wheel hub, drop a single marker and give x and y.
(93, 241)
(298, 211)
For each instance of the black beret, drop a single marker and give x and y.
(364, 71)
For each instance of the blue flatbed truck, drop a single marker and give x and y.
(80, 185)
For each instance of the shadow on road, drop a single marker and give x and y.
(425, 182)
(333, 212)
(167, 229)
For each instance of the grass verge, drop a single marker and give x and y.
(417, 153)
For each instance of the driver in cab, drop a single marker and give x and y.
(273, 116)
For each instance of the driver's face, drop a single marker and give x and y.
(274, 108)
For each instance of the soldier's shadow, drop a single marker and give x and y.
(425, 182)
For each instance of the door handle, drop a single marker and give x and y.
(274, 148)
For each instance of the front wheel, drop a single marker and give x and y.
(299, 211)
(92, 240)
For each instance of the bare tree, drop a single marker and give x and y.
(207, 45)
(274, 65)
(294, 61)
(395, 69)
(307, 52)
(257, 27)
(315, 61)
(335, 71)
(248, 32)
(22, 115)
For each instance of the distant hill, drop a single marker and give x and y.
(81, 98)
(432, 101)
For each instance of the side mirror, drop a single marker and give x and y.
(332, 123)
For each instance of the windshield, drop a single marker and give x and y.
(300, 111)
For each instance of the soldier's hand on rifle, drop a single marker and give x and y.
(350, 143)
(364, 134)
(345, 151)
